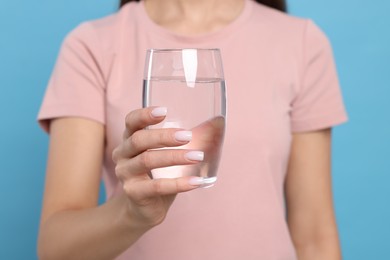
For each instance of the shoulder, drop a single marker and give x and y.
(289, 35)
(104, 33)
(285, 26)
(99, 41)
(272, 16)
(276, 20)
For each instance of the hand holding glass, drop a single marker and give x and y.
(190, 83)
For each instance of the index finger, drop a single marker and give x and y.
(141, 118)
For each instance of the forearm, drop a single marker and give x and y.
(103, 232)
(310, 211)
(319, 249)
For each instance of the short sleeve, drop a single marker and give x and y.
(318, 103)
(76, 87)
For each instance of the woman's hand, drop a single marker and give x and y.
(149, 199)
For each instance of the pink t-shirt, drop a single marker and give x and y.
(281, 79)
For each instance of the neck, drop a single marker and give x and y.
(193, 16)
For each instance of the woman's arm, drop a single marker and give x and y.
(72, 225)
(310, 212)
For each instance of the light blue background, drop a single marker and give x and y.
(31, 33)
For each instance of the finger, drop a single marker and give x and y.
(142, 190)
(153, 159)
(141, 118)
(143, 140)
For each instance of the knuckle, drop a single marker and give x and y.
(135, 140)
(145, 161)
(169, 134)
(175, 156)
(129, 118)
(115, 155)
(127, 188)
(158, 187)
(120, 171)
(160, 137)
(131, 191)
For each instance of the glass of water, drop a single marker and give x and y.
(190, 83)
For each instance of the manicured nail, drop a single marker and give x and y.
(183, 136)
(195, 156)
(159, 112)
(196, 181)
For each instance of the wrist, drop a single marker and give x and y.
(131, 219)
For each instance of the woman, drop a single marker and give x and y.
(273, 196)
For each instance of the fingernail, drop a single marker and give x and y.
(183, 136)
(159, 112)
(195, 156)
(196, 181)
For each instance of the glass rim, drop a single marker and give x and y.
(181, 49)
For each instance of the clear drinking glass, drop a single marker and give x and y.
(190, 83)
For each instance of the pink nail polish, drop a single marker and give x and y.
(183, 136)
(159, 112)
(196, 181)
(195, 156)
